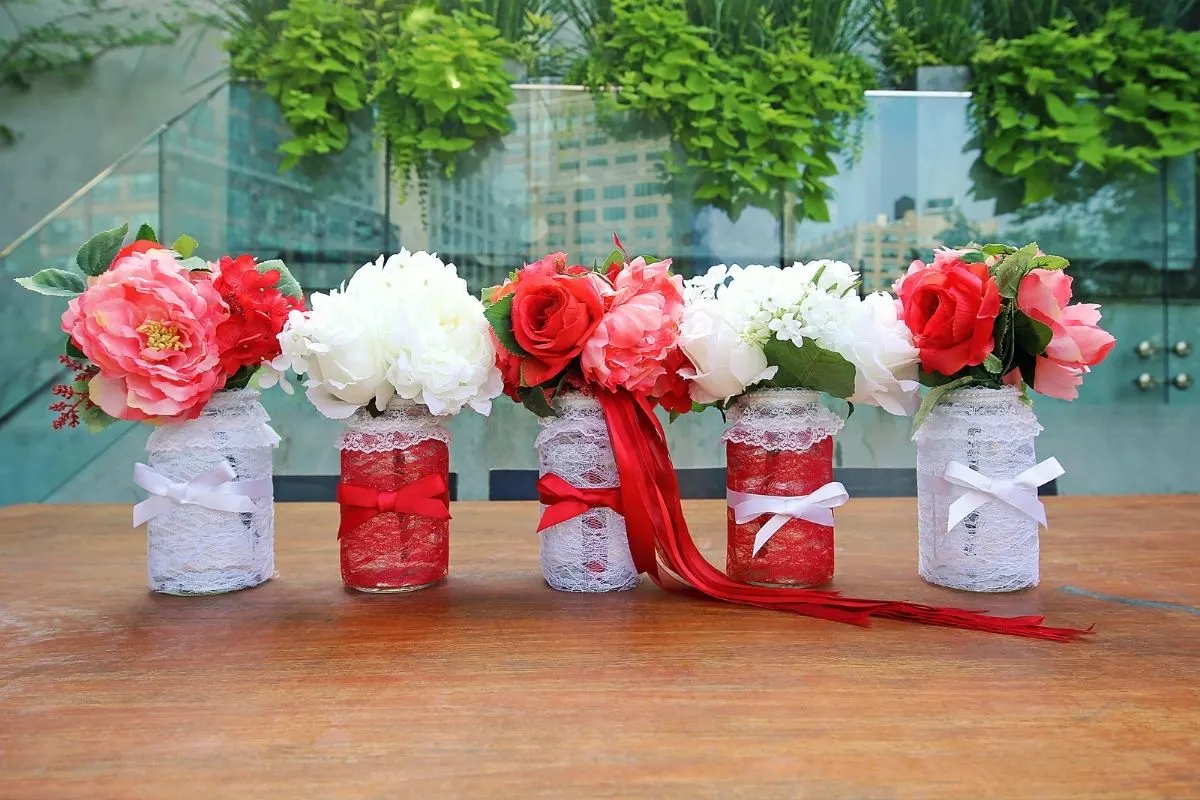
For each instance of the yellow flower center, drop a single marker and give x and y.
(160, 335)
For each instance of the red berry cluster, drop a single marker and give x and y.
(68, 407)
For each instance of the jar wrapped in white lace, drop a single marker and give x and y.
(995, 548)
(194, 549)
(590, 552)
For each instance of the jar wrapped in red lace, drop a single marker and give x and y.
(780, 489)
(394, 495)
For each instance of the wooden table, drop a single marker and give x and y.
(492, 685)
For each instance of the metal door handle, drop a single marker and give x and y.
(1182, 381)
(1145, 349)
(1182, 349)
(1145, 382)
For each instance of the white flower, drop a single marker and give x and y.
(733, 312)
(879, 345)
(405, 325)
(725, 364)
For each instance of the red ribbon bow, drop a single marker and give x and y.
(426, 497)
(564, 501)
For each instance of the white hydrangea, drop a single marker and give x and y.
(402, 326)
(818, 301)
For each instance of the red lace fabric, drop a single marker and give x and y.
(801, 552)
(395, 552)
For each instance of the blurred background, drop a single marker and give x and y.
(326, 132)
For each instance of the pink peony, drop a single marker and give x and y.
(1078, 342)
(630, 347)
(151, 331)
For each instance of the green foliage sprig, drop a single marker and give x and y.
(437, 78)
(1062, 111)
(72, 38)
(753, 122)
(918, 33)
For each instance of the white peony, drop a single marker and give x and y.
(405, 325)
(879, 345)
(725, 364)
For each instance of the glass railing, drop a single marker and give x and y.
(567, 179)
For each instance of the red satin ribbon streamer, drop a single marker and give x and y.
(427, 497)
(564, 501)
(657, 530)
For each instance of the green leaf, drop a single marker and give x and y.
(98, 252)
(1049, 262)
(1013, 269)
(703, 102)
(499, 316)
(810, 366)
(973, 258)
(1032, 336)
(1059, 111)
(998, 249)
(146, 233)
(195, 263)
(54, 282)
(993, 364)
(94, 418)
(185, 246)
(241, 378)
(345, 88)
(287, 283)
(934, 396)
(535, 400)
(616, 257)
(71, 350)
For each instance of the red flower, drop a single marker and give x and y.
(257, 312)
(552, 316)
(951, 309)
(510, 369)
(140, 246)
(671, 390)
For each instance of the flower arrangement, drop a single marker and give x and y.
(404, 326)
(614, 327)
(154, 332)
(999, 315)
(801, 327)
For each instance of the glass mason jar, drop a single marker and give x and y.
(394, 551)
(193, 549)
(781, 445)
(994, 549)
(590, 552)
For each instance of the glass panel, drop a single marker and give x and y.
(29, 352)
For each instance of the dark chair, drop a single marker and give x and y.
(322, 488)
(708, 483)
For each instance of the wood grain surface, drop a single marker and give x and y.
(492, 685)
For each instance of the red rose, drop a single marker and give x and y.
(510, 368)
(257, 312)
(951, 310)
(552, 316)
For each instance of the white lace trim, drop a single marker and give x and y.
(781, 419)
(196, 550)
(589, 553)
(235, 416)
(996, 548)
(402, 425)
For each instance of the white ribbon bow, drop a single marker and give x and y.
(214, 488)
(815, 507)
(1019, 492)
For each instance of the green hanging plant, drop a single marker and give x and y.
(436, 79)
(754, 123)
(441, 88)
(1061, 113)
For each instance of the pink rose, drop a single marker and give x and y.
(1078, 342)
(151, 331)
(630, 347)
